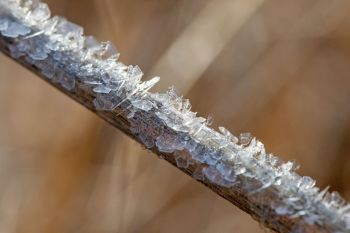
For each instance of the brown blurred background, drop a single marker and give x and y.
(279, 69)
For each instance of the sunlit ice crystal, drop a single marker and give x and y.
(15, 30)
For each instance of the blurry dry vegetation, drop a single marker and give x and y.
(279, 69)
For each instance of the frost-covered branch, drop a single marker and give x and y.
(238, 169)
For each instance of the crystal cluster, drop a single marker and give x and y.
(163, 121)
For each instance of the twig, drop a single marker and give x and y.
(238, 170)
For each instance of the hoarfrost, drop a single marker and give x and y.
(165, 120)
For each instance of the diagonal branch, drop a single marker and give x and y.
(237, 169)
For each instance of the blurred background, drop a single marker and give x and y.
(277, 68)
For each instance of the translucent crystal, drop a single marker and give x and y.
(4, 22)
(321, 194)
(69, 32)
(334, 199)
(65, 80)
(306, 182)
(90, 42)
(106, 102)
(41, 12)
(15, 52)
(103, 51)
(146, 140)
(135, 72)
(15, 29)
(227, 171)
(108, 51)
(212, 174)
(228, 135)
(49, 26)
(198, 174)
(181, 159)
(245, 138)
(168, 143)
(147, 85)
(102, 89)
(215, 177)
(145, 105)
(283, 210)
(239, 169)
(199, 153)
(34, 49)
(48, 72)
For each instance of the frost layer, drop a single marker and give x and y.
(163, 120)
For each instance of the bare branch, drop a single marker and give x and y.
(237, 169)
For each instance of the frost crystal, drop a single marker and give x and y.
(245, 138)
(14, 30)
(4, 22)
(181, 159)
(163, 121)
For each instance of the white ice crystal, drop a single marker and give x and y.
(59, 50)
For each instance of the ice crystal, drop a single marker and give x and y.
(181, 159)
(62, 54)
(4, 22)
(40, 13)
(14, 30)
(245, 138)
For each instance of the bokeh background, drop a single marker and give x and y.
(277, 68)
